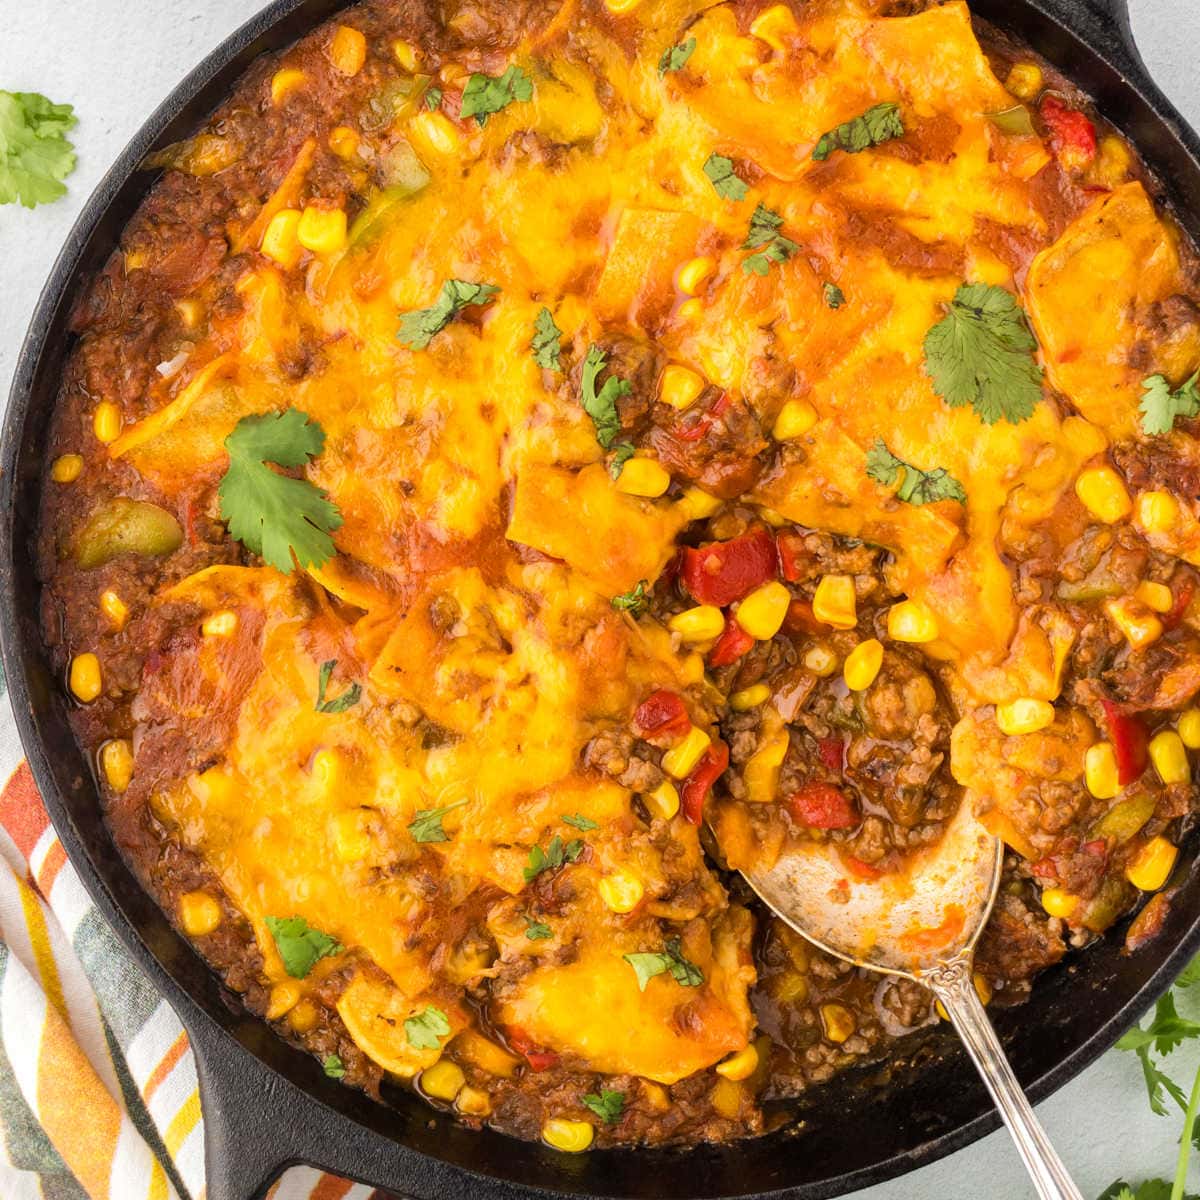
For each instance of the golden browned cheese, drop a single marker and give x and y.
(446, 461)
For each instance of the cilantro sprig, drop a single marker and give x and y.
(607, 1105)
(580, 822)
(35, 153)
(547, 342)
(425, 1029)
(726, 184)
(537, 931)
(557, 854)
(487, 94)
(1161, 405)
(634, 601)
(674, 58)
(348, 699)
(601, 405)
(274, 515)
(426, 825)
(917, 487)
(765, 238)
(300, 945)
(981, 353)
(880, 123)
(647, 965)
(333, 1066)
(417, 328)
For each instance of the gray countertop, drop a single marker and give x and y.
(116, 59)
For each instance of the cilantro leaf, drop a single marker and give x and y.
(647, 965)
(622, 453)
(426, 1028)
(981, 353)
(764, 234)
(426, 825)
(348, 699)
(580, 822)
(1161, 406)
(417, 328)
(880, 123)
(675, 57)
(726, 184)
(300, 946)
(433, 99)
(833, 295)
(917, 487)
(601, 406)
(1190, 975)
(608, 1106)
(556, 854)
(546, 344)
(633, 601)
(35, 154)
(334, 1067)
(537, 931)
(274, 515)
(485, 94)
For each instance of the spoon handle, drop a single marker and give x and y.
(953, 985)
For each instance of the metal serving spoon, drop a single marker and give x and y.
(921, 926)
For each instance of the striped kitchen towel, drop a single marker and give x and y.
(98, 1094)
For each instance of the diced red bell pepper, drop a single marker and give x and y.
(823, 806)
(831, 751)
(1130, 740)
(694, 433)
(696, 786)
(860, 869)
(537, 1058)
(661, 713)
(722, 572)
(1071, 133)
(731, 645)
(792, 552)
(801, 619)
(1183, 593)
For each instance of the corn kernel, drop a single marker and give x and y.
(1189, 728)
(322, 230)
(774, 26)
(690, 310)
(473, 1102)
(911, 621)
(1100, 771)
(351, 842)
(190, 312)
(680, 761)
(838, 1022)
(1140, 626)
(220, 624)
(621, 891)
(741, 1065)
(1169, 756)
(621, 6)
(116, 760)
(344, 141)
(983, 990)
(1113, 161)
(325, 768)
(680, 386)
(437, 132)
(862, 665)
(1025, 715)
(699, 624)
(761, 613)
(643, 477)
(304, 1016)
(821, 660)
(114, 608)
(795, 419)
(199, 913)
(663, 802)
(282, 999)
(452, 74)
(85, 681)
(280, 242)
(571, 1137)
(67, 468)
(693, 273)
(406, 55)
(691, 669)
(656, 1096)
(761, 772)
(698, 504)
(1025, 81)
(1103, 494)
(443, 1081)
(834, 601)
(753, 696)
(1152, 865)
(1157, 512)
(1058, 902)
(1155, 596)
(775, 519)
(284, 83)
(348, 50)
(106, 422)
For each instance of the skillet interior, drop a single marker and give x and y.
(1075, 1012)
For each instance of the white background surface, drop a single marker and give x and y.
(116, 59)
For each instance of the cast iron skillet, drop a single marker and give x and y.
(267, 1105)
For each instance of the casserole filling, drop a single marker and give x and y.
(523, 466)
